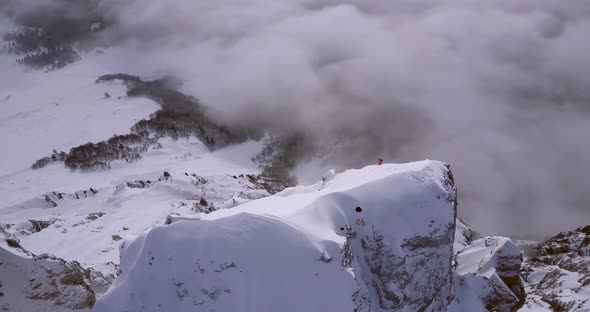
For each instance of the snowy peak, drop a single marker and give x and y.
(401, 248)
(375, 239)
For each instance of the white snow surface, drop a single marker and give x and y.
(59, 110)
(266, 255)
(42, 111)
(82, 228)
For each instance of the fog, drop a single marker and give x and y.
(499, 89)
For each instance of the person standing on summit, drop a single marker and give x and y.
(379, 161)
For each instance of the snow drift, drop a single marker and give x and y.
(375, 239)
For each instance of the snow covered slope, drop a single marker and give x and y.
(59, 110)
(375, 239)
(86, 224)
(40, 283)
(83, 216)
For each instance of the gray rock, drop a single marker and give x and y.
(411, 272)
(558, 273)
(32, 283)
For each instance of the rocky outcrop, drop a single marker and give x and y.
(558, 272)
(66, 284)
(139, 184)
(42, 283)
(464, 235)
(54, 199)
(40, 225)
(494, 263)
(404, 271)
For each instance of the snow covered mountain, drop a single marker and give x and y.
(121, 192)
(392, 226)
(190, 226)
(73, 206)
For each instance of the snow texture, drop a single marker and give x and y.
(558, 273)
(83, 216)
(393, 224)
(41, 283)
(494, 264)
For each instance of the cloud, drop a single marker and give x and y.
(496, 88)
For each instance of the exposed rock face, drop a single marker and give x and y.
(39, 225)
(558, 273)
(494, 262)
(139, 184)
(42, 283)
(405, 271)
(64, 283)
(464, 235)
(54, 199)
